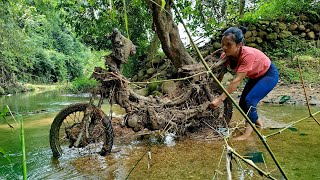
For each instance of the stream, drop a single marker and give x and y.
(296, 149)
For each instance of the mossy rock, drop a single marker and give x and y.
(316, 27)
(303, 17)
(248, 34)
(168, 87)
(142, 92)
(252, 27)
(282, 26)
(311, 35)
(284, 34)
(251, 39)
(303, 35)
(254, 33)
(263, 27)
(216, 45)
(274, 24)
(272, 36)
(264, 22)
(259, 40)
(151, 71)
(141, 73)
(152, 87)
(293, 27)
(262, 34)
(253, 45)
(301, 27)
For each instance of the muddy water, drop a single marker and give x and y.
(190, 158)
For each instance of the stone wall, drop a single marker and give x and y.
(264, 33)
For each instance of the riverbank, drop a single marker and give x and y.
(43, 87)
(284, 93)
(290, 94)
(294, 94)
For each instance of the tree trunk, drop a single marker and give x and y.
(168, 34)
(185, 108)
(241, 8)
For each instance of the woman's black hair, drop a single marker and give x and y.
(237, 32)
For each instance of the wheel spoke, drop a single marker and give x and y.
(95, 137)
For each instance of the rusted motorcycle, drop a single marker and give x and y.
(85, 127)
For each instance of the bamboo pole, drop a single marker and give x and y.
(229, 96)
(149, 150)
(228, 163)
(250, 163)
(166, 80)
(307, 101)
(230, 151)
(305, 92)
(23, 149)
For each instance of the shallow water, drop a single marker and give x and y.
(296, 149)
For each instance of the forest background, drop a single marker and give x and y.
(49, 42)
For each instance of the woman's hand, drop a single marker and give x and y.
(216, 102)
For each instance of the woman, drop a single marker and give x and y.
(247, 62)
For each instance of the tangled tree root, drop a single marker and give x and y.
(185, 109)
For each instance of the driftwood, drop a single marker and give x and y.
(184, 110)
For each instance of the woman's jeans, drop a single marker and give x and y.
(257, 89)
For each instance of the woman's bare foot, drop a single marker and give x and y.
(259, 124)
(241, 138)
(246, 133)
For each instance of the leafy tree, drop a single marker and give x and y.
(273, 9)
(37, 44)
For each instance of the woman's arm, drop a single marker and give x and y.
(231, 88)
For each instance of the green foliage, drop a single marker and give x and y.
(125, 16)
(282, 54)
(2, 116)
(287, 73)
(308, 54)
(153, 87)
(96, 59)
(292, 46)
(40, 39)
(3, 153)
(131, 67)
(23, 150)
(37, 45)
(82, 84)
(287, 9)
(101, 18)
(3, 113)
(206, 17)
